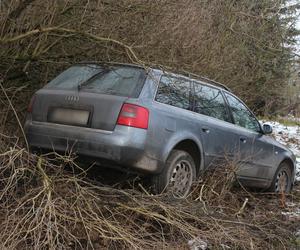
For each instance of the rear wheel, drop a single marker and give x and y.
(177, 176)
(282, 182)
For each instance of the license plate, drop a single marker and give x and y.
(69, 116)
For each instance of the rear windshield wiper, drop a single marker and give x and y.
(93, 77)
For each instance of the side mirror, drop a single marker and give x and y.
(267, 129)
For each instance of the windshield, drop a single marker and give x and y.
(113, 80)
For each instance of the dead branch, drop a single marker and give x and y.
(127, 48)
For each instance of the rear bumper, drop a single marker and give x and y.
(124, 147)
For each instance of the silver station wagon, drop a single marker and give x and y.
(168, 126)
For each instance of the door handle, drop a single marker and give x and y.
(205, 130)
(243, 140)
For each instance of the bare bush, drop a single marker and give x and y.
(241, 44)
(44, 206)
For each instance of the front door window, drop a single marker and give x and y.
(241, 114)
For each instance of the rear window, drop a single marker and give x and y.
(111, 80)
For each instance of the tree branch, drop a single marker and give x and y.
(127, 48)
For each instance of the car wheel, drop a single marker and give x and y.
(282, 182)
(177, 176)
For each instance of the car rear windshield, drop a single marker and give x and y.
(113, 80)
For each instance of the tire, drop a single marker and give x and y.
(282, 181)
(177, 176)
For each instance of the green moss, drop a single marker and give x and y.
(288, 122)
(283, 120)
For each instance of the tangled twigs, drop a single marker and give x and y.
(131, 54)
(14, 111)
(44, 206)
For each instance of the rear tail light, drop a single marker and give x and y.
(133, 116)
(30, 106)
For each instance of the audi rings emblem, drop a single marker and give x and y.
(72, 98)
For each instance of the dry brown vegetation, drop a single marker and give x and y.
(239, 43)
(45, 206)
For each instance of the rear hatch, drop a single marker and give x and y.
(88, 95)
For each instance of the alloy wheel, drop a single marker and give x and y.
(181, 179)
(281, 182)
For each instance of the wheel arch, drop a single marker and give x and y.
(192, 146)
(290, 163)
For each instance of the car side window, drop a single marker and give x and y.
(209, 101)
(174, 91)
(241, 114)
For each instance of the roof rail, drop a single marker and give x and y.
(185, 73)
(110, 63)
(207, 80)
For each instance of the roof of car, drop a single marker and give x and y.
(182, 73)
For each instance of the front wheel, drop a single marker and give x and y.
(177, 176)
(282, 182)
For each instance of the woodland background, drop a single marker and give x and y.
(249, 45)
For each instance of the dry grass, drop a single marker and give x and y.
(43, 206)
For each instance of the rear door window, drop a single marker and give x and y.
(241, 114)
(174, 91)
(111, 80)
(209, 101)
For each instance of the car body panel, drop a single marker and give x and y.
(125, 146)
(147, 150)
(102, 108)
